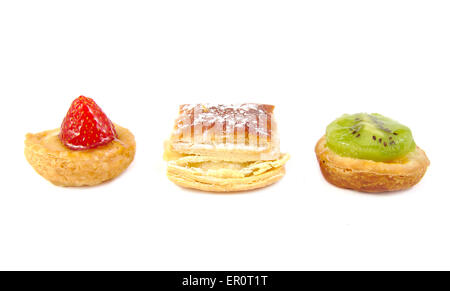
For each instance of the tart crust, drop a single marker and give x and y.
(371, 176)
(65, 167)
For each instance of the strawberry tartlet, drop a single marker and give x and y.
(87, 150)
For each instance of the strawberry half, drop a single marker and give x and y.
(86, 126)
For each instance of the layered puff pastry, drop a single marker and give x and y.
(224, 148)
(62, 166)
(368, 175)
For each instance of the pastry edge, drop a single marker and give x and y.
(370, 176)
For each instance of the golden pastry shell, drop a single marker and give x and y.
(64, 167)
(371, 176)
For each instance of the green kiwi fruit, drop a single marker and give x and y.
(369, 137)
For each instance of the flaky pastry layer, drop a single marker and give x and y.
(237, 132)
(65, 167)
(371, 176)
(214, 174)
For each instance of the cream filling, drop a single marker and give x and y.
(222, 169)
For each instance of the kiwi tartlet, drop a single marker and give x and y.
(370, 153)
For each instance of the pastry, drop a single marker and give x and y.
(224, 148)
(87, 150)
(370, 153)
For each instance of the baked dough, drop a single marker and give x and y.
(371, 176)
(224, 148)
(238, 132)
(216, 175)
(65, 167)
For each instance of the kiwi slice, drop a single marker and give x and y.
(369, 137)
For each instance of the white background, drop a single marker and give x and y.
(314, 60)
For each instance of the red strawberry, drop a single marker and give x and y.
(86, 126)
